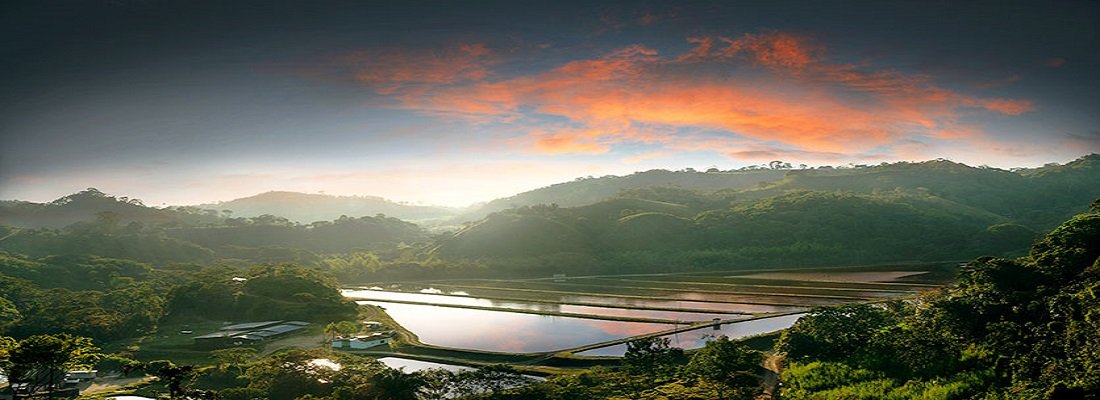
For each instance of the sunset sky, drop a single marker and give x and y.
(456, 102)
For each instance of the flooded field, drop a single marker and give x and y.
(698, 338)
(878, 276)
(608, 311)
(660, 291)
(503, 331)
(504, 313)
(688, 283)
(610, 300)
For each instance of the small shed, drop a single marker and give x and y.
(82, 375)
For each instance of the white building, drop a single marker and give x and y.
(363, 342)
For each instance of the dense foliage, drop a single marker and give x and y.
(801, 228)
(107, 298)
(931, 211)
(1010, 328)
(262, 239)
(39, 362)
(262, 293)
(722, 370)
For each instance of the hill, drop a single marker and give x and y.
(800, 228)
(88, 205)
(585, 191)
(932, 211)
(1020, 328)
(1040, 198)
(306, 208)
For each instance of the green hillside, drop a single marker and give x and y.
(929, 211)
(584, 191)
(89, 205)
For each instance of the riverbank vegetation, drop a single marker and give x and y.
(1010, 328)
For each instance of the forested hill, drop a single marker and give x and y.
(94, 223)
(306, 208)
(87, 205)
(1039, 197)
(585, 191)
(931, 211)
(1021, 328)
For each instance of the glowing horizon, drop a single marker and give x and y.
(463, 104)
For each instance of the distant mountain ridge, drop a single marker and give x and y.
(585, 191)
(934, 210)
(654, 220)
(987, 190)
(306, 207)
(86, 205)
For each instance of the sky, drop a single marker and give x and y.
(457, 102)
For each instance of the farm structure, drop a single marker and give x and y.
(249, 333)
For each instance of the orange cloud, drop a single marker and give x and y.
(1003, 106)
(636, 95)
(391, 69)
(775, 49)
(578, 142)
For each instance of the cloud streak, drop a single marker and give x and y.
(772, 87)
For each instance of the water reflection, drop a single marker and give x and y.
(548, 307)
(507, 331)
(410, 365)
(827, 276)
(697, 338)
(547, 288)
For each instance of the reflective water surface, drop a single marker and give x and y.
(563, 308)
(697, 338)
(504, 331)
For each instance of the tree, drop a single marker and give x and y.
(341, 328)
(40, 361)
(1069, 249)
(291, 374)
(651, 355)
(438, 383)
(394, 384)
(9, 314)
(727, 364)
(177, 379)
(7, 344)
(833, 333)
(234, 357)
(490, 379)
